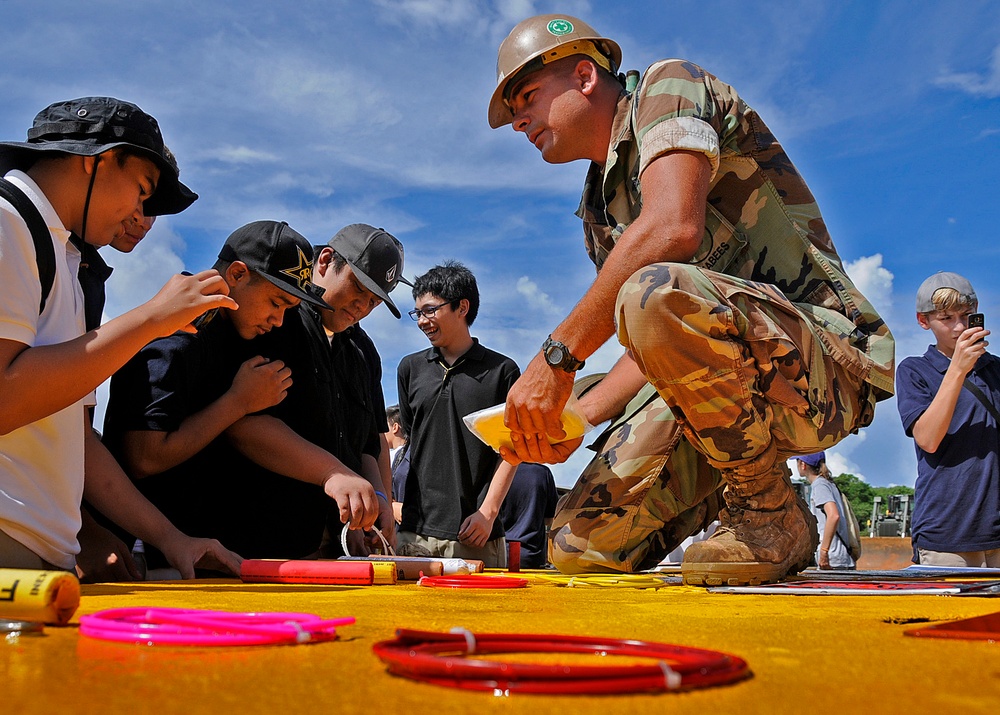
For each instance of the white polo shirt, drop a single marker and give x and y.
(41, 464)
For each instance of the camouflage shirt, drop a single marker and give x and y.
(761, 221)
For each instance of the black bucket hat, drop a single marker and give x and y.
(375, 256)
(277, 252)
(93, 125)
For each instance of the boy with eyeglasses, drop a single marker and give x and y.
(456, 484)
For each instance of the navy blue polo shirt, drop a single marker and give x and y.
(957, 494)
(218, 492)
(530, 501)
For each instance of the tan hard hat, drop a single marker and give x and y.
(540, 37)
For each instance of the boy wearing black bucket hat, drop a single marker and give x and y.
(170, 406)
(336, 404)
(89, 167)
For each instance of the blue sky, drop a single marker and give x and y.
(329, 112)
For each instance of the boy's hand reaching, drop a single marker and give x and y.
(186, 553)
(185, 297)
(356, 499)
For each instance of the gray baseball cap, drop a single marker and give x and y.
(944, 279)
(375, 256)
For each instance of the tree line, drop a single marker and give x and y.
(861, 495)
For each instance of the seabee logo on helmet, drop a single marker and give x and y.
(559, 27)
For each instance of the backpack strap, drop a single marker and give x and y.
(991, 408)
(45, 255)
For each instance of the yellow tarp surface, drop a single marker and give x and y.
(812, 654)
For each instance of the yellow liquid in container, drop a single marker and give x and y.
(488, 426)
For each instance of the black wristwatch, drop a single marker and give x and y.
(557, 355)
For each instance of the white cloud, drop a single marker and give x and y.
(873, 280)
(536, 297)
(240, 155)
(985, 84)
(838, 462)
(430, 14)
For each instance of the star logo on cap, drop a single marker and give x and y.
(302, 273)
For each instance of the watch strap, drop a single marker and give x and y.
(568, 362)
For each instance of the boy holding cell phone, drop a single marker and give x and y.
(948, 399)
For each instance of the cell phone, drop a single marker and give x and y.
(976, 320)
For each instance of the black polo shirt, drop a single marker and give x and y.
(218, 492)
(450, 468)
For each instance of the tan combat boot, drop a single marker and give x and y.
(767, 532)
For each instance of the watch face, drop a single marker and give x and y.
(555, 355)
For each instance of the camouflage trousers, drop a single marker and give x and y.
(733, 366)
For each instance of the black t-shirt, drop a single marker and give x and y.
(450, 468)
(218, 492)
(373, 362)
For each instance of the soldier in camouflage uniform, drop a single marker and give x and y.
(746, 340)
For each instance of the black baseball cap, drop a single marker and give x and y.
(375, 256)
(279, 253)
(93, 125)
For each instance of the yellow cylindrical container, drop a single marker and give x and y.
(385, 573)
(47, 596)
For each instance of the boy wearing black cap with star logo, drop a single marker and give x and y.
(337, 394)
(172, 404)
(89, 168)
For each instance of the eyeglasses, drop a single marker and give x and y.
(429, 312)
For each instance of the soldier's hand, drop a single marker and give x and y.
(534, 408)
